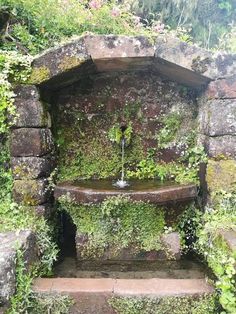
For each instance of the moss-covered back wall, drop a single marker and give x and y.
(85, 113)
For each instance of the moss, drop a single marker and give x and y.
(85, 157)
(27, 191)
(205, 304)
(116, 224)
(69, 62)
(221, 174)
(39, 75)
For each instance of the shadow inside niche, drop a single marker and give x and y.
(67, 236)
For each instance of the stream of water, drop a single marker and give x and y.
(122, 183)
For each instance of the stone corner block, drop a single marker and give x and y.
(9, 242)
(31, 192)
(27, 142)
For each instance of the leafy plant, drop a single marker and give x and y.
(117, 223)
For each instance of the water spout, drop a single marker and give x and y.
(122, 183)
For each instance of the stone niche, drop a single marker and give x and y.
(85, 113)
(97, 83)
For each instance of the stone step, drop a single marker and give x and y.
(93, 295)
(154, 286)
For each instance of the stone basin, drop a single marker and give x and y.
(95, 191)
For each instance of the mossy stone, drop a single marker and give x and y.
(221, 175)
(39, 75)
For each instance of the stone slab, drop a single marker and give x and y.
(218, 117)
(31, 192)
(9, 241)
(124, 287)
(28, 142)
(32, 167)
(56, 61)
(223, 88)
(157, 196)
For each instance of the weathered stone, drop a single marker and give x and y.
(229, 236)
(32, 167)
(171, 250)
(177, 60)
(222, 88)
(58, 60)
(31, 113)
(119, 53)
(9, 243)
(221, 175)
(221, 146)
(44, 210)
(27, 91)
(172, 243)
(189, 57)
(31, 142)
(218, 117)
(31, 192)
(157, 195)
(223, 66)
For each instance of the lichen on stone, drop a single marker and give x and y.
(69, 62)
(39, 75)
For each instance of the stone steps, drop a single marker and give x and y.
(92, 295)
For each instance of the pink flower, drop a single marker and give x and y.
(115, 12)
(95, 4)
(136, 20)
(159, 27)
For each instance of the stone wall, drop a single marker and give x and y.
(32, 150)
(85, 112)
(218, 130)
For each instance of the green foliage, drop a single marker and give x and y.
(171, 124)
(117, 223)
(26, 301)
(184, 170)
(14, 68)
(55, 304)
(21, 302)
(115, 134)
(220, 258)
(38, 24)
(205, 304)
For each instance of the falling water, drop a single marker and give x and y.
(122, 183)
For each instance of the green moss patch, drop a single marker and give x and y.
(117, 223)
(205, 304)
(39, 75)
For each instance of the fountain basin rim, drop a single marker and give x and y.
(160, 195)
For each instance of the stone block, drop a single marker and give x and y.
(9, 242)
(223, 88)
(218, 117)
(221, 175)
(170, 250)
(44, 210)
(31, 113)
(26, 92)
(59, 60)
(32, 167)
(31, 192)
(221, 146)
(31, 142)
